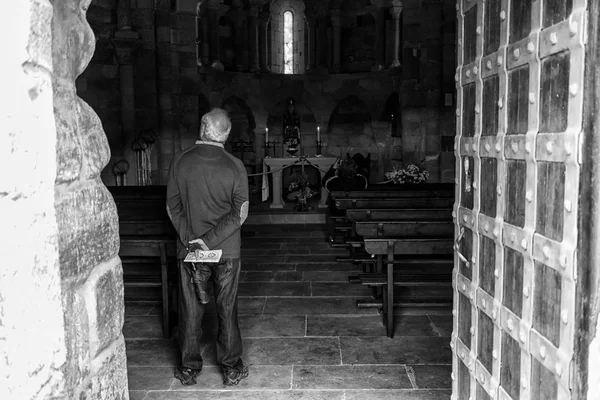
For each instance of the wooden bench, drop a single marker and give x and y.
(157, 247)
(397, 214)
(403, 250)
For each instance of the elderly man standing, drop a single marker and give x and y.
(207, 201)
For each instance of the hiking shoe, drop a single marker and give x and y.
(187, 376)
(233, 376)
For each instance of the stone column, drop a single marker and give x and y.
(241, 40)
(125, 42)
(264, 17)
(336, 21)
(311, 28)
(379, 15)
(215, 11)
(253, 34)
(396, 11)
(202, 38)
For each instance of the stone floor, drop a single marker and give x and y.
(304, 337)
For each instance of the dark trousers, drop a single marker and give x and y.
(224, 277)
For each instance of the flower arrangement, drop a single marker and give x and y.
(410, 174)
(301, 190)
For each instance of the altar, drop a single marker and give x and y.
(279, 164)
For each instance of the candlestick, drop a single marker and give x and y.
(267, 135)
(318, 134)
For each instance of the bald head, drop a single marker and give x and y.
(215, 126)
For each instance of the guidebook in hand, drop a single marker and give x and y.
(205, 256)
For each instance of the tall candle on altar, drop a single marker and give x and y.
(266, 135)
(318, 134)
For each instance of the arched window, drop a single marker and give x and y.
(287, 31)
(288, 42)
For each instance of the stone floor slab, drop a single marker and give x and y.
(328, 276)
(399, 350)
(432, 376)
(351, 377)
(316, 305)
(353, 325)
(146, 327)
(137, 394)
(292, 351)
(150, 378)
(327, 266)
(251, 305)
(152, 352)
(258, 276)
(288, 276)
(140, 308)
(272, 325)
(344, 325)
(272, 377)
(274, 289)
(443, 324)
(339, 289)
(398, 394)
(262, 266)
(247, 395)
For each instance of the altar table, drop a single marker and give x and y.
(276, 164)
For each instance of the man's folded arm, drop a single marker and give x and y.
(233, 220)
(175, 206)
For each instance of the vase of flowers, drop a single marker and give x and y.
(300, 190)
(411, 174)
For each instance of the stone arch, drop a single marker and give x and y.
(392, 112)
(350, 123)
(277, 10)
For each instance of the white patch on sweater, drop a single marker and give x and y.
(244, 212)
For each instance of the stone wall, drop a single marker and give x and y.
(61, 308)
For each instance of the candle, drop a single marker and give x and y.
(266, 135)
(318, 134)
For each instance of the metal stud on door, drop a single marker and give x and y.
(519, 125)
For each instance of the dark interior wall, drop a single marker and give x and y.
(171, 91)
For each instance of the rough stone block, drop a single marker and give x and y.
(94, 146)
(76, 337)
(69, 155)
(109, 375)
(88, 226)
(103, 294)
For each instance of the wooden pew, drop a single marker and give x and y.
(404, 249)
(160, 247)
(148, 240)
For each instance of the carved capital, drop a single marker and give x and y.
(336, 17)
(396, 9)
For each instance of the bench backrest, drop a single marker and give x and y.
(380, 246)
(371, 194)
(399, 214)
(416, 202)
(408, 229)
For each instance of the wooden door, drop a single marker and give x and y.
(519, 123)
